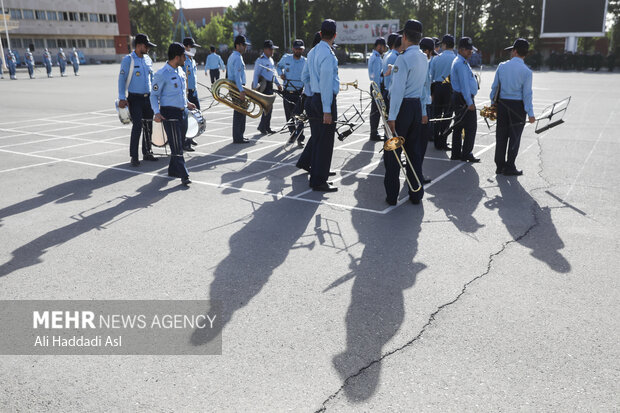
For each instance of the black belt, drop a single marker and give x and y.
(411, 99)
(139, 94)
(172, 107)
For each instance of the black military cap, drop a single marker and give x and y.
(241, 40)
(317, 39)
(143, 39)
(391, 39)
(176, 49)
(519, 44)
(466, 43)
(428, 44)
(189, 42)
(298, 44)
(380, 40)
(398, 42)
(437, 42)
(269, 45)
(411, 25)
(328, 26)
(448, 40)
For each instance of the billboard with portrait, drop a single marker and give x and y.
(364, 31)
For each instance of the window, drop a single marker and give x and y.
(51, 15)
(101, 43)
(81, 43)
(63, 15)
(5, 44)
(84, 17)
(112, 18)
(92, 43)
(93, 17)
(51, 43)
(16, 13)
(28, 14)
(103, 18)
(39, 44)
(73, 16)
(16, 43)
(62, 43)
(109, 43)
(26, 43)
(40, 14)
(72, 43)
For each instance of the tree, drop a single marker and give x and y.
(154, 18)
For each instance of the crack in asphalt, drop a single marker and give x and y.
(439, 309)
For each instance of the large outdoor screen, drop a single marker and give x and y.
(581, 18)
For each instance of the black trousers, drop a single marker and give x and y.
(374, 118)
(323, 145)
(409, 126)
(442, 108)
(175, 125)
(305, 159)
(467, 123)
(214, 74)
(141, 116)
(510, 123)
(265, 118)
(192, 96)
(293, 105)
(427, 134)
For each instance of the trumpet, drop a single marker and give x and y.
(254, 105)
(489, 112)
(345, 86)
(393, 142)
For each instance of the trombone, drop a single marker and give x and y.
(345, 86)
(393, 142)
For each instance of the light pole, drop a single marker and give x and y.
(283, 26)
(463, 20)
(456, 6)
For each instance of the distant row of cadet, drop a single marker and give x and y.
(62, 60)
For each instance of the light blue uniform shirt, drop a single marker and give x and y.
(463, 80)
(214, 61)
(305, 78)
(61, 57)
(409, 80)
(292, 68)
(47, 58)
(323, 67)
(235, 69)
(190, 72)
(375, 67)
(388, 59)
(515, 79)
(29, 58)
(268, 71)
(169, 88)
(141, 78)
(441, 66)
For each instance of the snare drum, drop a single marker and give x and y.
(159, 137)
(123, 114)
(196, 124)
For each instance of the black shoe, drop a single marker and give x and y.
(499, 170)
(513, 172)
(135, 162)
(244, 140)
(455, 158)
(324, 188)
(390, 202)
(263, 131)
(188, 148)
(186, 181)
(332, 174)
(427, 180)
(270, 131)
(414, 201)
(470, 158)
(192, 142)
(300, 144)
(149, 157)
(443, 148)
(376, 138)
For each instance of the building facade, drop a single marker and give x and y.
(99, 29)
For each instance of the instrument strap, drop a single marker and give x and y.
(128, 81)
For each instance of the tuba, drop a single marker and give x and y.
(392, 143)
(254, 105)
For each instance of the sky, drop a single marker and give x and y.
(194, 4)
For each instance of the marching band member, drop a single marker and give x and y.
(235, 71)
(513, 82)
(47, 61)
(407, 111)
(439, 71)
(375, 69)
(62, 62)
(464, 88)
(324, 81)
(139, 65)
(75, 61)
(427, 46)
(11, 62)
(169, 102)
(290, 68)
(189, 66)
(388, 61)
(29, 58)
(264, 68)
(213, 65)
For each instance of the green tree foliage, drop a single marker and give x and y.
(154, 17)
